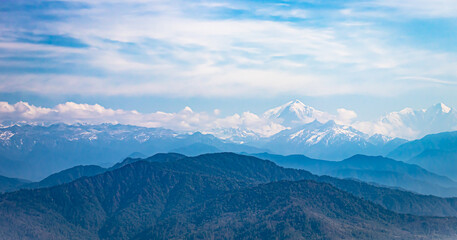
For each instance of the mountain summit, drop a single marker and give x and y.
(295, 113)
(440, 107)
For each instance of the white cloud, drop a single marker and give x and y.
(345, 116)
(6, 108)
(391, 129)
(185, 120)
(426, 79)
(23, 111)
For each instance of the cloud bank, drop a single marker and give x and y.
(185, 120)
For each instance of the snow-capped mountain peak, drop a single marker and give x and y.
(439, 108)
(327, 140)
(379, 139)
(412, 124)
(405, 111)
(295, 113)
(323, 133)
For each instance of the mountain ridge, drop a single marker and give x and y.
(61, 146)
(435, 152)
(128, 201)
(379, 170)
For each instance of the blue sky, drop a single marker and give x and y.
(372, 57)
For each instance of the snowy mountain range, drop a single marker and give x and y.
(329, 141)
(310, 131)
(412, 124)
(317, 134)
(25, 148)
(236, 135)
(407, 124)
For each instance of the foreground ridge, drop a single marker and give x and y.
(219, 193)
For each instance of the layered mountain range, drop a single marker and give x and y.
(376, 170)
(24, 149)
(34, 152)
(435, 152)
(216, 196)
(85, 188)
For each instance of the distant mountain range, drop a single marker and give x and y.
(34, 152)
(407, 123)
(11, 184)
(71, 174)
(412, 124)
(316, 134)
(24, 149)
(66, 176)
(220, 196)
(329, 141)
(378, 170)
(435, 152)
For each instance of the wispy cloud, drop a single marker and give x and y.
(427, 79)
(420, 8)
(224, 48)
